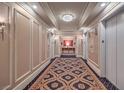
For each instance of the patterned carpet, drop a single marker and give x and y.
(68, 74)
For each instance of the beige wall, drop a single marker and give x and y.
(4, 50)
(35, 36)
(25, 45)
(93, 46)
(57, 47)
(79, 45)
(22, 45)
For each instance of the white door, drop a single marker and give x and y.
(111, 50)
(120, 50)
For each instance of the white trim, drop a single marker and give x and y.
(32, 30)
(112, 11)
(18, 79)
(97, 70)
(79, 56)
(15, 44)
(95, 64)
(102, 57)
(7, 87)
(36, 66)
(32, 13)
(25, 82)
(41, 63)
(57, 56)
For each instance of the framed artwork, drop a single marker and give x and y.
(68, 42)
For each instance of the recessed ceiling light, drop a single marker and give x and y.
(103, 4)
(67, 17)
(34, 6)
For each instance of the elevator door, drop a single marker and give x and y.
(111, 50)
(120, 50)
(115, 50)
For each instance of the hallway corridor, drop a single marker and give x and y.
(86, 39)
(68, 74)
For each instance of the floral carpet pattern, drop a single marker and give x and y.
(68, 74)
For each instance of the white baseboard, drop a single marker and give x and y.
(84, 57)
(97, 70)
(25, 82)
(57, 55)
(79, 56)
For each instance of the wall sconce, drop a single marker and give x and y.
(2, 29)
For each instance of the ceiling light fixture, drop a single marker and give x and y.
(103, 4)
(67, 17)
(34, 6)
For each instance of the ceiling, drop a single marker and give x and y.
(61, 8)
(41, 12)
(83, 13)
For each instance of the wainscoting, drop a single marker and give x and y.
(24, 51)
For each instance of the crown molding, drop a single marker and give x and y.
(28, 9)
(87, 12)
(49, 13)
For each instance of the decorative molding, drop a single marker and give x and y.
(97, 70)
(80, 56)
(87, 12)
(106, 12)
(83, 11)
(32, 13)
(11, 17)
(25, 82)
(40, 64)
(57, 56)
(15, 60)
(36, 66)
(93, 63)
(49, 13)
(10, 50)
(34, 22)
(7, 87)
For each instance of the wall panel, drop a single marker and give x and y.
(35, 53)
(4, 49)
(43, 44)
(46, 45)
(80, 47)
(40, 44)
(22, 45)
(93, 48)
